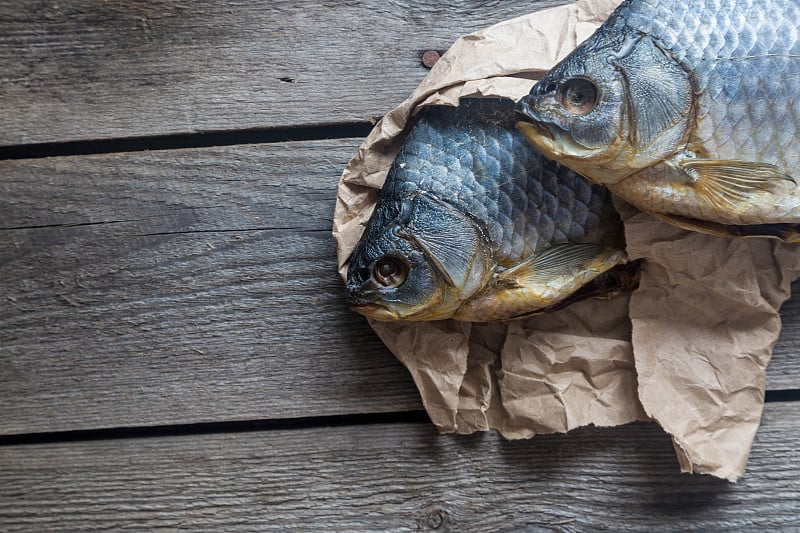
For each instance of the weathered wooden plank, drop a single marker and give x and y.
(398, 477)
(88, 70)
(190, 286)
(187, 286)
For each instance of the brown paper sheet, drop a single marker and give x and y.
(705, 321)
(575, 367)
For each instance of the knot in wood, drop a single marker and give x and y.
(435, 519)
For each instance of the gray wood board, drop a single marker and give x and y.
(89, 70)
(398, 477)
(181, 286)
(192, 286)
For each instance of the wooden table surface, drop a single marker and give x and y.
(175, 349)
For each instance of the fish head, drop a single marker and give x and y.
(575, 114)
(612, 107)
(388, 279)
(419, 259)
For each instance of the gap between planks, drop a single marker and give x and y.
(212, 428)
(246, 426)
(342, 130)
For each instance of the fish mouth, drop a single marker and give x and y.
(523, 114)
(556, 143)
(375, 311)
(533, 113)
(540, 136)
(531, 125)
(530, 128)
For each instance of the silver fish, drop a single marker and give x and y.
(474, 224)
(688, 109)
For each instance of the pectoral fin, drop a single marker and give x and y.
(560, 260)
(554, 278)
(727, 183)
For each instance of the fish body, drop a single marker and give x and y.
(688, 109)
(472, 223)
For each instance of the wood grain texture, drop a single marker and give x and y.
(181, 286)
(399, 477)
(89, 69)
(191, 286)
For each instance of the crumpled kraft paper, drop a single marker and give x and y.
(703, 322)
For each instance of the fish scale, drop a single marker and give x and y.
(565, 203)
(712, 39)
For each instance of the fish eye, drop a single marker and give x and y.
(390, 271)
(578, 96)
